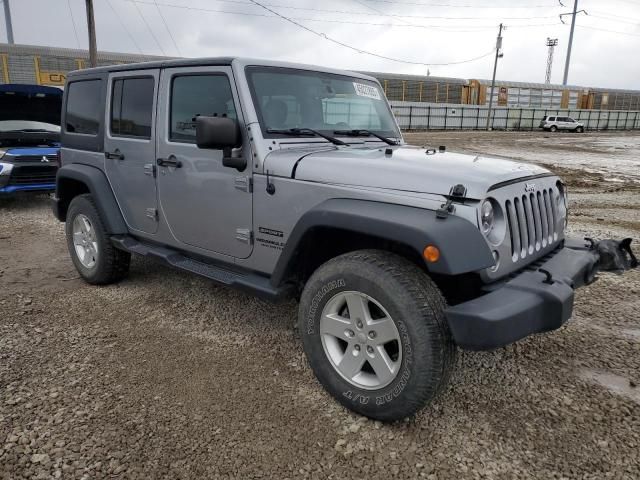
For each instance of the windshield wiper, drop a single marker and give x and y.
(365, 133)
(305, 131)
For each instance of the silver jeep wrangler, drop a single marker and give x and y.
(290, 180)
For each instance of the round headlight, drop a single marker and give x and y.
(487, 217)
(562, 201)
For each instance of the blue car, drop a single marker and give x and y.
(29, 138)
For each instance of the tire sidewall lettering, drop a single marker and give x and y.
(357, 396)
(317, 300)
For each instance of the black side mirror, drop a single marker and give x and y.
(220, 133)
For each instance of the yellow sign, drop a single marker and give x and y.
(5, 66)
(52, 78)
(43, 77)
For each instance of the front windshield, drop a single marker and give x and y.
(287, 98)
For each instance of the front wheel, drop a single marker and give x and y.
(375, 334)
(580, 129)
(92, 252)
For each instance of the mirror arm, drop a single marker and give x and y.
(239, 163)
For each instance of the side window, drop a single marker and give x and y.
(83, 107)
(132, 107)
(552, 119)
(194, 95)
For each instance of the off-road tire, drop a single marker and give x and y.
(111, 264)
(416, 306)
(553, 128)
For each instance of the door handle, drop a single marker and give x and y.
(115, 155)
(172, 161)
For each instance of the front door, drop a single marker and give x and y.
(205, 204)
(130, 147)
(563, 123)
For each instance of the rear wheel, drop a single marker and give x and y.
(92, 252)
(553, 128)
(375, 334)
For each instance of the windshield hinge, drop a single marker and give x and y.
(456, 194)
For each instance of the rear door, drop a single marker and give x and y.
(205, 204)
(130, 146)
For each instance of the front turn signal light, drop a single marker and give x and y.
(431, 253)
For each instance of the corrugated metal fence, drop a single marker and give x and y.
(431, 116)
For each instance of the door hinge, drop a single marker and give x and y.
(152, 213)
(150, 169)
(244, 235)
(244, 184)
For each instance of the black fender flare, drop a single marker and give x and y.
(462, 247)
(96, 182)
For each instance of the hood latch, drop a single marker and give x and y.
(456, 194)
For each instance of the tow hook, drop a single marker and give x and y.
(549, 278)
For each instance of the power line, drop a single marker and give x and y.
(380, 12)
(73, 22)
(616, 20)
(168, 30)
(135, 4)
(350, 22)
(607, 30)
(413, 25)
(423, 4)
(637, 4)
(133, 40)
(359, 50)
(346, 12)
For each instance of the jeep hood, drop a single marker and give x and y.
(406, 169)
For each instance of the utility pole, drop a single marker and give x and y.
(7, 21)
(552, 43)
(493, 80)
(91, 27)
(573, 14)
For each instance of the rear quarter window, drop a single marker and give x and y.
(83, 107)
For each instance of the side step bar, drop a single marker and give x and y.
(244, 280)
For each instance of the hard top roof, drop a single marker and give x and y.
(211, 61)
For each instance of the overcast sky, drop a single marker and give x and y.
(605, 51)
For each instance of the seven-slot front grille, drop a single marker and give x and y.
(532, 220)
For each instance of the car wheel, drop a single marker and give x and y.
(553, 128)
(580, 129)
(375, 334)
(92, 252)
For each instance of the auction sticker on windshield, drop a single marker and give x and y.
(368, 91)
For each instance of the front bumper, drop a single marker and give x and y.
(537, 300)
(26, 177)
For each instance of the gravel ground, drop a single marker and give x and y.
(167, 375)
